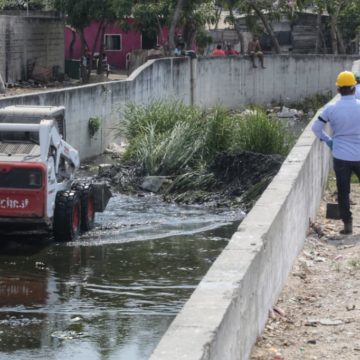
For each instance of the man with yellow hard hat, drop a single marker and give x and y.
(343, 116)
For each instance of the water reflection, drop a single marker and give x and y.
(114, 301)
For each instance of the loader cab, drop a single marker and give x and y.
(20, 137)
(31, 114)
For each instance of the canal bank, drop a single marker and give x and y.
(229, 308)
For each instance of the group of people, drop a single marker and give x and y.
(343, 117)
(254, 51)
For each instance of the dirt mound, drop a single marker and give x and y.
(245, 168)
(231, 180)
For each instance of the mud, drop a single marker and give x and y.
(233, 180)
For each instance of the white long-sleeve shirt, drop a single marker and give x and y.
(343, 117)
(357, 91)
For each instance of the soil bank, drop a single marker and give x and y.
(317, 315)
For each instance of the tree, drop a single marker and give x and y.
(264, 10)
(79, 14)
(349, 23)
(22, 4)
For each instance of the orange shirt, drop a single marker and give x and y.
(218, 52)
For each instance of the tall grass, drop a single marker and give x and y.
(171, 138)
(261, 133)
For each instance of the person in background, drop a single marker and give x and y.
(105, 65)
(343, 117)
(179, 49)
(254, 50)
(230, 50)
(218, 51)
(357, 86)
(179, 45)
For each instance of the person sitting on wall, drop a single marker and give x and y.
(179, 45)
(230, 50)
(218, 51)
(254, 50)
(179, 49)
(105, 65)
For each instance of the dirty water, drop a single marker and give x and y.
(113, 293)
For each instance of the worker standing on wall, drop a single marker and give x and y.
(357, 86)
(343, 117)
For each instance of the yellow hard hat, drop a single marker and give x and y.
(345, 78)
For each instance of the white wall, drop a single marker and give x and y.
(206, 81)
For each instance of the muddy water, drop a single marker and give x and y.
(113, 293)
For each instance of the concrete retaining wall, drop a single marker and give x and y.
(229, 308)
(289, 78)
(204, 81)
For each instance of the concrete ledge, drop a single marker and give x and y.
(229, 308)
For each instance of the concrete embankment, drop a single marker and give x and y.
(230, 81)
(229, 308)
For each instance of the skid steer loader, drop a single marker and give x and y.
(37, 178)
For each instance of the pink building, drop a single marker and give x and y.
(117, 43)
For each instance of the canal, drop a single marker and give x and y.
(113, 293)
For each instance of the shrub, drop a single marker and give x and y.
(171, 138)
(261, 133)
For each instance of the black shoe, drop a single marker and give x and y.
(254, 66)
(347, 229)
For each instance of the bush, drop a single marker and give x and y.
(171, 138)
(261, 133)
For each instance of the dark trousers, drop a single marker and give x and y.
(343, 170)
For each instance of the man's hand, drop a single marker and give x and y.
(329, 143)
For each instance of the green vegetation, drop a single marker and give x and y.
(94, 125)
(355, 263)
(171, 138)
(313, 102)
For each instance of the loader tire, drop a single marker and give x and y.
(67, 216)
(86, 192)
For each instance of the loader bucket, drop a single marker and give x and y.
(102, 195)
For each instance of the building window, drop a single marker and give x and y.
(112, 42)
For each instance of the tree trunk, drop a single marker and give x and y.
(72, 43)
(337, 44)
(161, 32)
(174, 21)
(341, 46)
(238, 32)
(83, 63)
(189, 33)
(217, 17)
(333, 35)
(267, 27)
(318, 35)
(100, 26)
(103, 29)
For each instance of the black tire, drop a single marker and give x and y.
(67, 216)
(87, 205)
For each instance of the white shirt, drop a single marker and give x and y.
(357, 91)
(343, 117)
